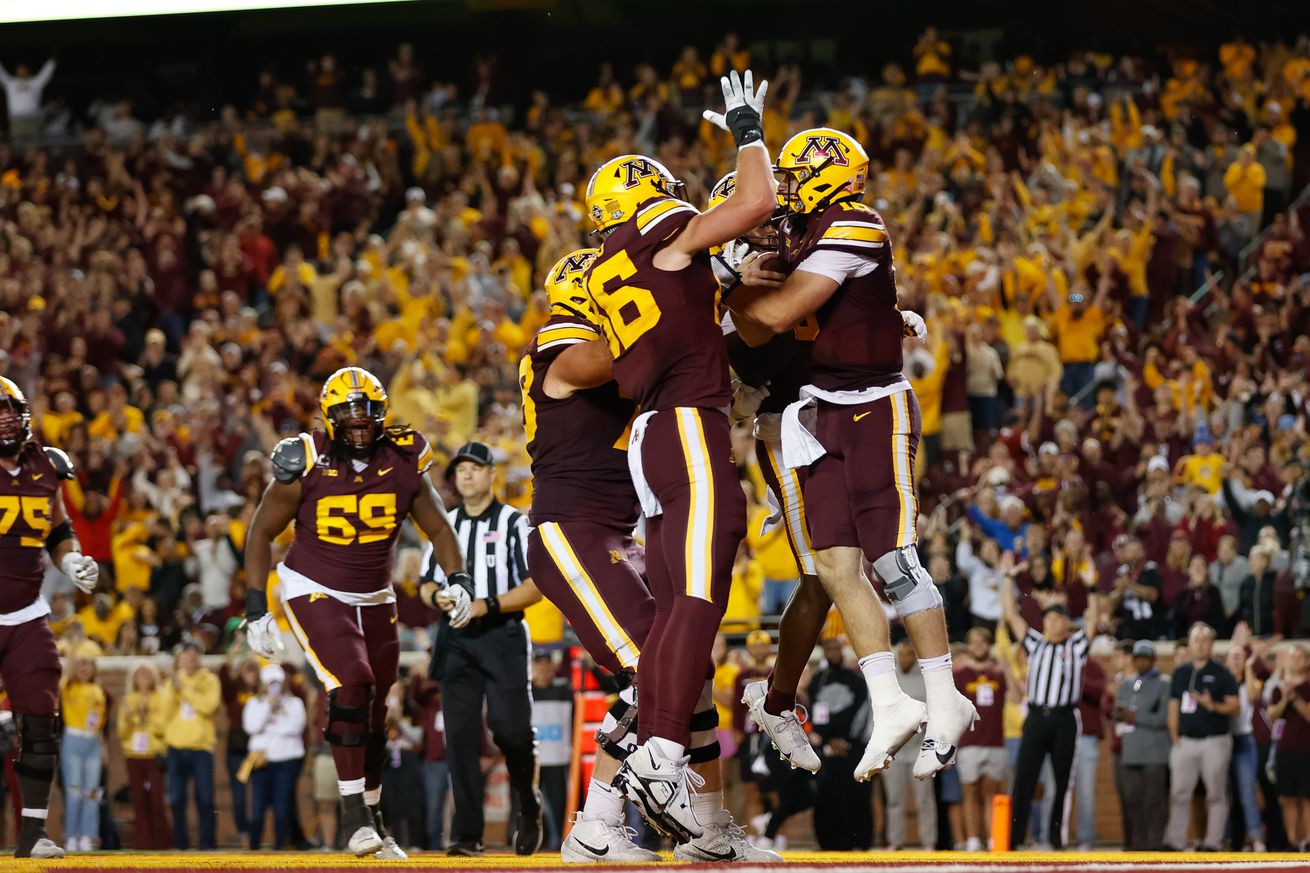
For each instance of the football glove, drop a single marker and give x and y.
(746, 400)
(455, 598)
(263, 636)
(914, 325)
(743, 108)
(83, 570)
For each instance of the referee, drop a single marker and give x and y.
(485, 655)
(1057, 658)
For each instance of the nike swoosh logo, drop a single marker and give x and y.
(860, 415)
(730, 855)
(386, 471)
(593, 849)
(36, 476)
(945, 759)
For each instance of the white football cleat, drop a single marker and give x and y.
(46, 848)
(942, 736)
(784, 731)
(390, 850)
(723, 842)
(661, 789)
(893, 726)
(592, 841)
(364, 841)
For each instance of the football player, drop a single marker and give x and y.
(654, 290)
(32, 518)
(769, 378)
(583, 557)
(348, 488)
(860, 447)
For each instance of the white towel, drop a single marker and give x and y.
(650, 504)
(800, 447)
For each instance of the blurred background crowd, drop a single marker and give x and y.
(1108, 250)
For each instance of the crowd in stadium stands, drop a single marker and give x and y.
(1109, 252)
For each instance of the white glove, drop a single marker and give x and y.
(743, 108)
(746, 400)
(263, 636)
(83, 570)
(457, 604)
(915, 326)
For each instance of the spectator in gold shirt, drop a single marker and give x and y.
(190, 700)
(1079, 325)
(82, 703)
(141, 724)
(1245, 181)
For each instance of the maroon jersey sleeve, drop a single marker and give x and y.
(857, 332)
(578, 445)
(349, 517)
(27, 500)
(661, 326)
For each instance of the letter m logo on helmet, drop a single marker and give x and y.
(638, 169)
(823, 146)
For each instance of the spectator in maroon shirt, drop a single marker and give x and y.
(1290, 704)
(425, 694)
(984, 762)
(1088, 752)
(1198, 601)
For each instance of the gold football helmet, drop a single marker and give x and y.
(624, 183)
(564, 288)
(817, 166)
(354, 407)
(15, 418)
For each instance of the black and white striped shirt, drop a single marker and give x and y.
(1055, 670)
(495, 546)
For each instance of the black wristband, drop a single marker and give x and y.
(493, 605)
(462, 580)
(745, 124)
(256, 604)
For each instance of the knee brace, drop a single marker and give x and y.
(38, 746)
(347, 716)
(618, 732)
(704, 743)
(908, 586)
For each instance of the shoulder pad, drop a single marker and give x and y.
(292, 458)
(62, 463)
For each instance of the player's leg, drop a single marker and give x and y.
(688, 456)
(896, 716)
(379, 626)
(31, 670)
(881, 448)
(772, 702)
(330, 633)
(586, 572)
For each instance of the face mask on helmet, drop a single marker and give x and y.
(357, 424)
(14, 430)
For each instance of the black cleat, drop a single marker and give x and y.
(527, 826)
(466, 850)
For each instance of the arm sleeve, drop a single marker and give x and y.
(1032, 640)
(518, 547)
(207, 696)
(838, 265)
(253, 715)
(43, 76)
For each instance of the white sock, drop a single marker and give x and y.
(30, 812)
(348, 787)
(706, 804)
(603, 803)
(372, 796)
(938, 679)
(880, 674)
(668, 748)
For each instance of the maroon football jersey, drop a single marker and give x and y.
(857, 333)
(27, 504)
(986, 690)
(661, 325)
(348, 519)
(578, 445)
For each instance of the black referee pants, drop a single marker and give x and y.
(490, 664)
(1047, 731)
